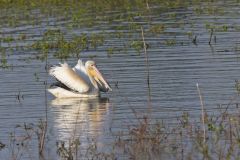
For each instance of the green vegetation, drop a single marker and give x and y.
(4, 62)
(209, 10)
(7, 39)
(157, 28)
(217, 28)
(54, 40)
(125, 18)
(237, 86)
(137, 45)
(170, 42)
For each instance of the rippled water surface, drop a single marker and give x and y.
(176, 64)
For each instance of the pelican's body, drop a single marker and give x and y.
(79, 81)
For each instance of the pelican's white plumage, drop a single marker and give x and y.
(79, 81)
(68, 77)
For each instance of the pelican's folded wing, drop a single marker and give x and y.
(70, 78)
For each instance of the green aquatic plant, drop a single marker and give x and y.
(190, 34)
(159, 28)
(110, 51)
(54, 41)
(217, 27)
(211, 9)
(7, 39)
(172, 15)
(83, 13)
(96, 40)
(4, 61)
(225, 28)
(170, 42)
(237, 87)
(214, 10)
(137, 45)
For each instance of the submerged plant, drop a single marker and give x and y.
(237, 86)
(170, 42)
(138, 45)
(4, 61)
(157, 28)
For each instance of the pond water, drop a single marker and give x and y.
(176, 64)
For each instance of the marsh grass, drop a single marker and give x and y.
(146, 139)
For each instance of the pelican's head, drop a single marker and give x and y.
(94, 73)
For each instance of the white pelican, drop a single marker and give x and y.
(79, 81)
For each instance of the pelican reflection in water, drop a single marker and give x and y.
(79, 118)
(83, 80)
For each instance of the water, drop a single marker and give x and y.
(174, 70)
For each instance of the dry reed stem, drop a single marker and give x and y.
(147, 66)
(146, 56)
(202, 109)
(147, 4)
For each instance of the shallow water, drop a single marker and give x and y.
(174, 70)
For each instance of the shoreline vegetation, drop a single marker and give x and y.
(126, 18)
(188, 138)
(210, 136)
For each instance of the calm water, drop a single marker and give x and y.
(174, 71)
